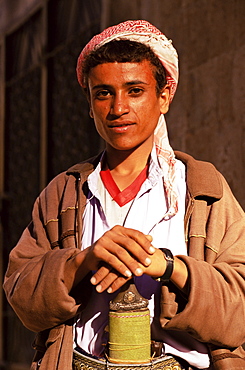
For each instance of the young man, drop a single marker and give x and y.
(106, 220)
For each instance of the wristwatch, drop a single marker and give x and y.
(164, 279)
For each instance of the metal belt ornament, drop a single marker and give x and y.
(86, 362)
(129, 327)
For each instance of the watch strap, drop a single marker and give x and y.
(164, 279)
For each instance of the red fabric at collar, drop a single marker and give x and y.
(129, 193)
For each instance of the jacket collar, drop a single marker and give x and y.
(203, 179)
(83, 169)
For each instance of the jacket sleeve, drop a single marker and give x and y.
(38, 280)
(215, 308)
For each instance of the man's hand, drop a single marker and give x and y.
(121, 253)
(109, 279)
(122, 249)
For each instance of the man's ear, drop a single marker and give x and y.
(89, 103)
(91, 112)
(165, 99)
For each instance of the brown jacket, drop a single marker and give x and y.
(39, 276)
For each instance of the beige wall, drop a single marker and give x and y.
(207, 116)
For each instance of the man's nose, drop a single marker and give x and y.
(119, 105)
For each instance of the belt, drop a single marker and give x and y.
(83, 361)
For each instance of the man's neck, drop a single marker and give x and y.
(125, 166)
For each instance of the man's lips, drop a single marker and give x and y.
(121, 124)
(121, 127)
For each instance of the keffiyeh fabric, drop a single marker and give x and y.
(144, 32)
(140, 31)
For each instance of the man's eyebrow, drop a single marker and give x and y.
(135, 82)
(129, 83)
(101, 86)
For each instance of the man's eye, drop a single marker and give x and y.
(102, 94)
(136, 91)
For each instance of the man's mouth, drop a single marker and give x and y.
(121, 124)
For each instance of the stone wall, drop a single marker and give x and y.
(207, 116)
(14, 11)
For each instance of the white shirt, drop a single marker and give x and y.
(144, 213)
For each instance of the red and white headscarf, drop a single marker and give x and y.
(144, 32)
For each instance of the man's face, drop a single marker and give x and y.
(124, 104)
